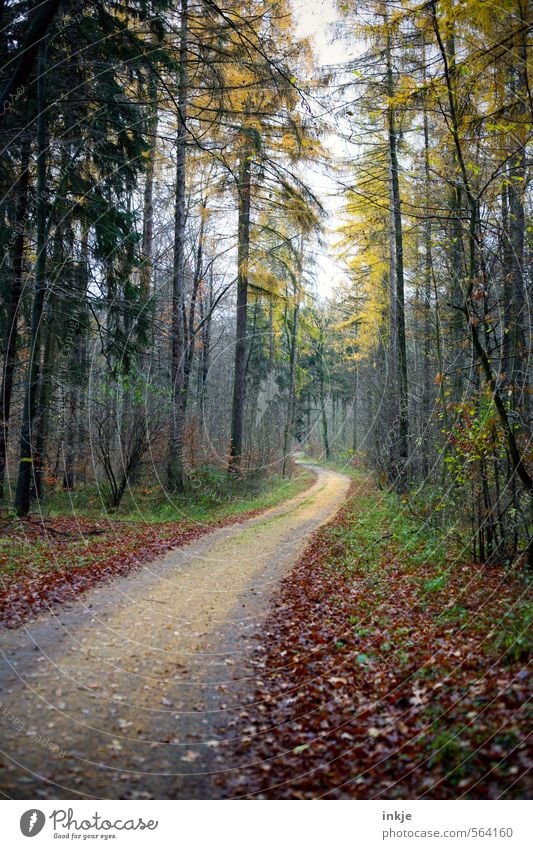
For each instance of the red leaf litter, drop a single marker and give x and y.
(367, 694)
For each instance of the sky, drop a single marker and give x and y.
(313, 19)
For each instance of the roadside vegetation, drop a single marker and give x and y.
(392, 667)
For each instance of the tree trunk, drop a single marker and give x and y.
(26, 466)
(206, 305)
(355, 441)
(457, 253)
(10, 355)
(401, 349)
(243, 253)
(69, 455)
(55, 310)
(148, 201)
(44, 401)
(291, 407)
(176, 481)
(515, 237)
(36, 35)
(72, 437)
(190, 319)
(427, 385)
(324, 416)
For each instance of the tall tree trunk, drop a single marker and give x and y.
(76, 329)
(399, 291)
(53, 313)
(206, 308)
(457, 262)
(291, 406)
(243, 253)
(26, 470)
(36, 36)
(515, 237)
(46, 384)
(271, 349)
(324, 414)
(191, 318)
(176, 481)
(148, 201)
(355, 417)
(457, 253)
(427, 394)
(10, 354)
(69, 445)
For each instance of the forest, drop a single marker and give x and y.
(248, 255)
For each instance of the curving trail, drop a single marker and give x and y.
(132, 691)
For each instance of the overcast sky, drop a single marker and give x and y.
(314, 18)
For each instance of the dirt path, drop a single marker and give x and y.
(132, 692)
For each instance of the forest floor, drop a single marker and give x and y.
(121, 693)
(293, 655)
(390, 667)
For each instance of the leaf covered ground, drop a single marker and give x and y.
(48, 561)
(390, 668)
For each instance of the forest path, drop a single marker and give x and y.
(132, 691)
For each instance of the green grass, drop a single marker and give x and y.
(513, 636)
(210, 495)
(450, 751)
(383, 524)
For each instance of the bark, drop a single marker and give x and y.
(35, 39)
(10, 355)
(271, 350)
(176, 480)
(291, 404)
(206, 305)
(400, 348)
(507, 262)
(26, 465)
(355, 416)
(291, 407)
(191, 318)
(73, 435)
(324, 416)
(51, 321)
(46, 384)
(427, 393)
(243, 253)
(148, 201)
(457, 257)
(516, 329)
(69, 449)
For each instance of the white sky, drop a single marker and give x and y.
(313, 19)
